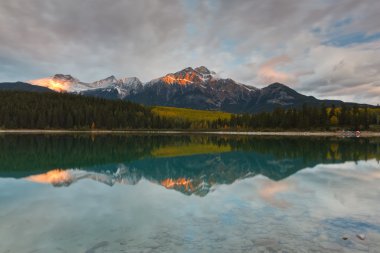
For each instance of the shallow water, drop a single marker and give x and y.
(115, 193)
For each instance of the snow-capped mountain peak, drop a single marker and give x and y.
(60, 83)
(104, 82)
(128, 85)
(111, 87)
(205, 73)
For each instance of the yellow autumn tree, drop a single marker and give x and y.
(334, 120)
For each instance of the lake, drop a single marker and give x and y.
(188, 193)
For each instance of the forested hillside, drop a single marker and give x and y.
(29, 110)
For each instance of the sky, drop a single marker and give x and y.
(328, 49)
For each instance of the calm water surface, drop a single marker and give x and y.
(122, 193)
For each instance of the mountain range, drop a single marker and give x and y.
(196, 88)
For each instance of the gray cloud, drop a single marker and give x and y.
(92, 39)
(89, 39)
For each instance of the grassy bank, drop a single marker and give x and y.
(190, 114)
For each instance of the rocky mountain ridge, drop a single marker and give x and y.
(196, 88)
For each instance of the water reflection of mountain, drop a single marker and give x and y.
(190, 164)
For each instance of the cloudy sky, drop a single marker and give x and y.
(329, 49)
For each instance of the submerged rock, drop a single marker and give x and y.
(361, 236)
(94, 248)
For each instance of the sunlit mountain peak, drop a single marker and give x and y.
(58, 82)
(189, 76)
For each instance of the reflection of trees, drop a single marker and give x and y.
(44, 152)
(320, 149)
(264, 155)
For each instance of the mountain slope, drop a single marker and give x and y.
(279, 95)
(20, 86)
(115, 88)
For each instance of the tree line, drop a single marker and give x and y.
(311, 118)
(28, 110)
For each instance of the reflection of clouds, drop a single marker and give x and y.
(360, 166)
(357, 175)
(327, 190)
(346, 189)
(249, 210)
(269, 192)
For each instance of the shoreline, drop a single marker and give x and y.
(249, 133)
